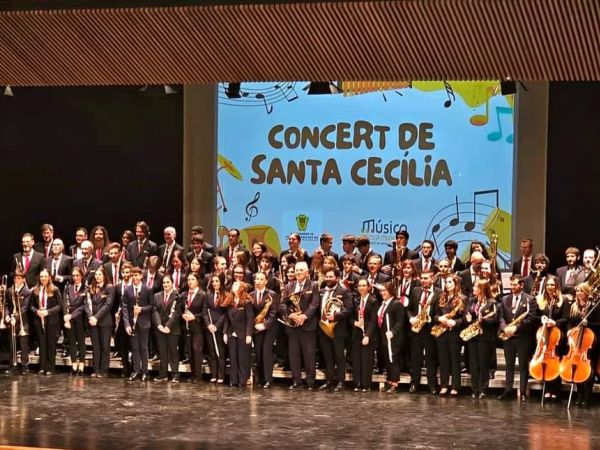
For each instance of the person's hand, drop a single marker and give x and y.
(212, 328)
(248, 340)
(413, 320)
(389, 335)
(166, 330)
(93, 321)
(365, 341)
(260, 327)
(225, 338)
(137, 309)
(128, 331)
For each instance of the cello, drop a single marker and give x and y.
(545, 364)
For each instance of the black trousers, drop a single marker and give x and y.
(217, 363)
(123, 345)
(100, 348)
(76, 337)
(282, 347)
(362, 360)
(263, 346)
(47, 341)
(239, 359)
(423, 341)
(23, 343)
(333, 353)
(168, 353)
(480, 358)
(448, 346)
(521, 346)
(196, 344)
(392, 365)
(139, 349)
(302, 347)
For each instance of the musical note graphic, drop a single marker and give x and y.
(267, 106)
(479, 120)
(449, 93)
(497, 135)
(289, 87)
(251, 208)
(469, 226)
(263, 96)
(456, 220)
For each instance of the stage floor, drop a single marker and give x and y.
(85, 413)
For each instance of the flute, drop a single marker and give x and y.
(387, 322)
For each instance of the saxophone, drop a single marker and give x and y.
(423, 317)
(439, 329)
(503, 336)
(475, 328)
(260, 318)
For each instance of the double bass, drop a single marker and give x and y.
(545, 364)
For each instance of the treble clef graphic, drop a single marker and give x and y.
(251, 208)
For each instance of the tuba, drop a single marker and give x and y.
(260, 318)
(333, 305)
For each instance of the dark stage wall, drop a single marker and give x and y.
(573, 189)
(88, 156)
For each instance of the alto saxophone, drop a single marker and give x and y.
(423, 317)
(503, 336)
(439, 329)
(475, 328)
(260, 318)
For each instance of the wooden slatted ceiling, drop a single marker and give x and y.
(358, 40)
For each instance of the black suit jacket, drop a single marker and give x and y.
(92, 266)
(415, 299)
(65, 266)
(458, 265)
(432, 265)
(527, 304)
(224, 252)
(271, 317)
(40, 247)
(309, 303)
(11, 308)
(109, 270)
(395, 313)
(102, 302)
(161, 253)
(136, 256)
(156, 283)
(168, 314)
(36, 264)
(370, 317)
(196, 307)
(206, 259)
(74, 301)
(466, 282)
(53, 306)
(146, 301)
(388, 258)
(217, 314)
(341, 317)
(561, 273)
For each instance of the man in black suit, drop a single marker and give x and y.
(570, 275)
(137, 312)
(198, 232)
(165, 251)
(59, 265)
(349, 248)
(81, 235)
(425, 296)
(337, 315)
(426, 261)
(472, 274)
(113, 266)
(142, 247)
(87, 263)
(198, 252)
(152, 278)
(456, 264)
(122, 341)
(589, 256)
(520, 335)
(524, 264)
(403, 252)
(302, 336)
(265, 331)
(374, 274)
(363, 244)
(326, 243)
(28, 261)
(234, 246)
(349, 278)
(168, 307)
(45, 247)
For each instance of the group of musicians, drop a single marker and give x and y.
(403, 311)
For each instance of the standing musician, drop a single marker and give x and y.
(195, 299)
(570, 275)
(390, 323)
(295, 250)
(100, 241)
(73, 317)
(302, 324)
(45, 247)
(214, 317)
(168, 308)
(152, 278)
(420, 313)
(553, 311)
(219, 267)
(142, 248)
(403, 252)
(265, 303)
(178, 271)
(348, 277)
(113, 266)
(59, 265)
(448, 314)
(136, 312)
(444, 273)
(126, 238)
(165, 251)
(583, 302)
(258, 249)
(81, 235)
(122, 341)
(589, 257)
(326, 243)
(524, 264)
(363, 244)
(426, 262)
(204, 257)
(237, 332)
(364, 337)
(535, 283)
(87, 263)
(456, 264)
(518, 313)
(335, 311)
(98, 308)
(28, 261)
(234, 245)
(16, 315)
(481, 309)
(265, 265)
(45, 305)
(472, 274)
(405, 295)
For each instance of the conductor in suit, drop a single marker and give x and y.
(28, 261)
(142, 247)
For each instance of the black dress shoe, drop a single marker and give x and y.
(324, 387)
(134, 376)
(49, 373)
(338, 387)
(144, 377)
(24, 371)
(357, 389)
(584, 404)
(433, 391)
(160, 379)
(41, 372)
(175, 379)
(295, 386)
(267, 385)
(506, 395)
(392, 389)
(412, 389)
(474, 395)
(366, 390)
(73, 373)
(482, 395)
(310, 387)
(100, 375)
(523, 398)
